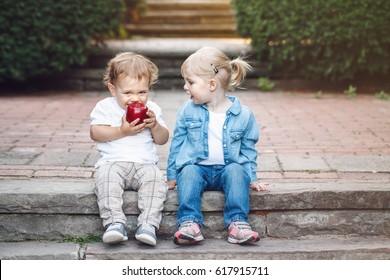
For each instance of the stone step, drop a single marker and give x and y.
(169, 79)
(322, 248)
(188, 17)
(167, 53)
(39, 209)
(207, 19)
(39, 250)
(191, 5)
(168, 29)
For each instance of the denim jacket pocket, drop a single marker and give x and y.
(235, 138)
(194, 129)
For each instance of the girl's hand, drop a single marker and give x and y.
(171, 184)
(257, 186)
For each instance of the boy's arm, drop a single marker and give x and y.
(160, 133)
(106, 133)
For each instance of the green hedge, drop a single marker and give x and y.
(318, 39)
(39, 37)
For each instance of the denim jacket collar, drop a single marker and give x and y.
(235, 109)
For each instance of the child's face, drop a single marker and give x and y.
(197, 87)
(128, 90)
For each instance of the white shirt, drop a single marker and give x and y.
(215, 140)
(137, 148)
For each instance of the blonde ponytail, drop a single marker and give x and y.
(240, 68)
(210, 62)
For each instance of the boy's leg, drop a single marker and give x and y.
(190, 187)
(152, 192)
(109, 186)
(235, 183)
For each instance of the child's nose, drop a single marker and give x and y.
(134, 99)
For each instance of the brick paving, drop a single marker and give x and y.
(46, 135)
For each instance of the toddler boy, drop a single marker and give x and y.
(128, 152)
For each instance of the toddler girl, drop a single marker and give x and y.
(213, 147)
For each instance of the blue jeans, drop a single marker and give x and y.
(193, 180)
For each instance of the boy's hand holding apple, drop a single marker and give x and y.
(151, 121)
(137, 118)
(136, 111)
(130, 129)
(133, 120)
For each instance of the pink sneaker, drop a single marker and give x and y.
(188, 233)
(241, 232)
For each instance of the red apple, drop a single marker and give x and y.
(135, 111)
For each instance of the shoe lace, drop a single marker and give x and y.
(148, 227)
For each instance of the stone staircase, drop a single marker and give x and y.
(295, 221)
(167, 53)
(185, 18)
(168, 33)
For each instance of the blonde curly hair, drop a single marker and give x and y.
(130, 64)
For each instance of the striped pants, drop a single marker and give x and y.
(113, 178)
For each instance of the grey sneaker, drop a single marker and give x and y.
(115, 232)
(146, 233)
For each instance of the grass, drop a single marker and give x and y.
(382, 95)
(81, 240)
(265, 84)
(318, 94)
(350, 92)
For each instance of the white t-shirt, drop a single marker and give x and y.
(138, 148)
(215, 140)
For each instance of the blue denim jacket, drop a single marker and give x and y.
(190, 139)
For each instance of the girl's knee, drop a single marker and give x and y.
(190, 171)
(235, 169)
(235, 174)
(190, 181)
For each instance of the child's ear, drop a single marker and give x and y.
(112, 89)
(212, 84)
